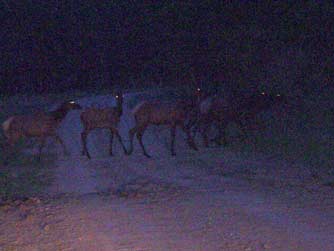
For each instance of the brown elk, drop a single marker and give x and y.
(40, 125)
(105, 118)
(222, 112)
(172, 114)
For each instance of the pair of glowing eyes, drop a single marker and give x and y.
(263, 93)
(73, 102)
(277, 95)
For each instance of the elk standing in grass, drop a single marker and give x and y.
(106, 118)
(41, 125)
(172, 114)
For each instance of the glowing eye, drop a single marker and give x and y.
(198, 89)
(263, 93)
(278, 95)
(72, 102)
(116, 96)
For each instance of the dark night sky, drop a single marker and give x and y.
(49, 46)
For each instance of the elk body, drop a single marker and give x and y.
(41, 125)
(222, 112)
(172, 114)
(106, 118)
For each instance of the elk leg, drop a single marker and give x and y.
(190, 140)
(203, 127)
(41, 146)
(192, 122)
(244, 132)
(221, 137)
(172, 134)
(84, 135)
(132, 133)
(140, 133)
(204, 132)
(111, 141)
(218, 138)
(8, 150)
(115, 131)
(195, 129)
(242, 127)
(197, 126)
(205, 137)
(7, 155)
(62, 143)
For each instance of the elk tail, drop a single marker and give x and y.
(7, 123)
(137, 107)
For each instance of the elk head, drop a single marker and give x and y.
(71, 105)
(119, 100)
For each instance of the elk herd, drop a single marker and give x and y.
(195, 114)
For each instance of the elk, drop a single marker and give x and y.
(39, 125)
(222, 112)
(105, 118)
(172, 114)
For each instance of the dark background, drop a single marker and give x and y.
(55, 46)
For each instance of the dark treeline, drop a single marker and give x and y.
(54, 46)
